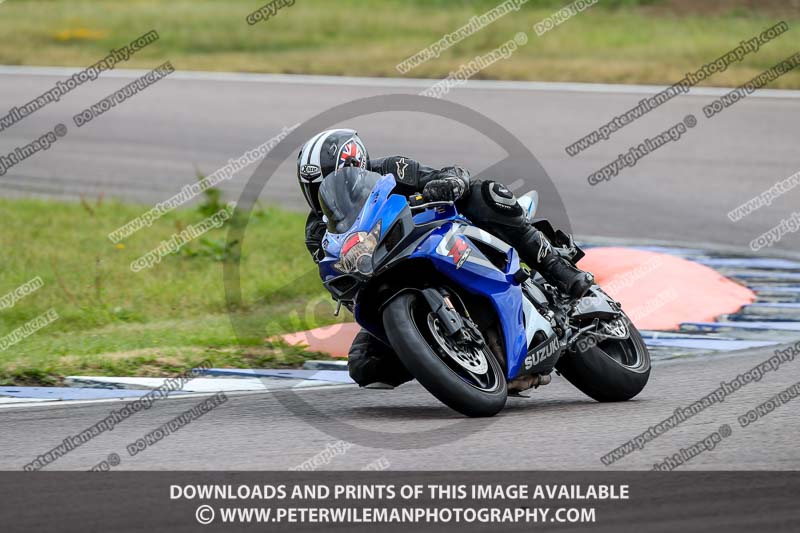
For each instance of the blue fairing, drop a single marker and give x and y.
(497, 286)
(476, 275)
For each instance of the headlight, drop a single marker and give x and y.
(357, 250)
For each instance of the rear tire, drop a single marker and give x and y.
(404, 320)
(603, 377)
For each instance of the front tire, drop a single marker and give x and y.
(606, 372)
(408, 326)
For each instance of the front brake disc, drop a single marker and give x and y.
(473, 360)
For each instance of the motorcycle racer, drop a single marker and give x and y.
(490, 205)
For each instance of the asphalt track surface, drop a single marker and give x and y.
(557, 427)
(148, 148)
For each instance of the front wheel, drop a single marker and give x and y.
(468, 380)
(613, 370)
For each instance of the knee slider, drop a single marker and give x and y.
(500, 199)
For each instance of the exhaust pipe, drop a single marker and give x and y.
(529, 381)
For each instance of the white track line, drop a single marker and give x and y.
(398, 83)
(9, 400)
(193, 385)
(67, 403)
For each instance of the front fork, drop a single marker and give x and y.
(456, 327)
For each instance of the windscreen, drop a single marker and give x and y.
(343, 194)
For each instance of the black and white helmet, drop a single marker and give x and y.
(325, 153)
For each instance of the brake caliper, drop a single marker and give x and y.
(449, 318)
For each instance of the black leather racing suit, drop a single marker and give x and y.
(488, 204)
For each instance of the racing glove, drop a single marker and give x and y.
(444, 190)
(315, 230)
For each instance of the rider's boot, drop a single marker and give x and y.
(374, 365)
(535, 249)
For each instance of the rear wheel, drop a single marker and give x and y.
(613, 370)
(467, 379)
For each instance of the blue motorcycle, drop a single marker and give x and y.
(467, 320)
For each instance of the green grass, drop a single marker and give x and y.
(617, 41)
(159, 321)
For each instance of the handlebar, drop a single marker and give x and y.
(417, 202)
(416, 199)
